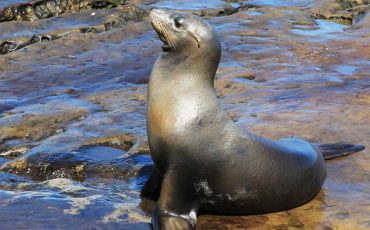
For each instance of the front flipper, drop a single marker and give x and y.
(167, 220)
(177, 205)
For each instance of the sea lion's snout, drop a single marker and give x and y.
(155, 13)
(159, 20)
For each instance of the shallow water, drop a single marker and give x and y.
(101, 152)
(280, 2)
(346, 69)
(10, 2)
(324, 27)
(189, 5)
(72, 111)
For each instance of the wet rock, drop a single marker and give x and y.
(124, 142)
(121, 168)
(92, 211)
(342, 215)
(14, 144)
(311, 80)
(224, 87)
(10, 181)
(41, 9)
(67, 186)
(78, 204)
(246, 75)
(203, 8)
(232, 223)
(8, 46)
(87, 161)
(342, 10)
(121, 210)
(141, 97)
(42, 166)
(253, 114)
(96, 22)
(7, 104)
(15, 152)
(72, 91)
(37, 127)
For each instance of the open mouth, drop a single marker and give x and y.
(165, 47)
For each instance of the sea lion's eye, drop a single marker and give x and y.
(178, 21)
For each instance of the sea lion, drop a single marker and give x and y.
(202, 160)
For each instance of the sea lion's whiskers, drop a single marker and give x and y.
(158, 25)
(173, 43)
(170, 41)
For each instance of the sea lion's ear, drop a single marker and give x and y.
(196, 39)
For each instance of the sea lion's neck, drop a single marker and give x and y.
(200, 68)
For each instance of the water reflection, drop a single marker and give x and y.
(324, 27)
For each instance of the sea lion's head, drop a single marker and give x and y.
(183, 31)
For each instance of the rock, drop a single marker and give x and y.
(41, 9)
(217, 8)
(10, 181)
(124, 142)
(65, 185)
(104, 20)
(73, 92)
(38, 127)
(43, 166)
(15, 152)
(224, 87)
(80, 164)
(246, 75)
(347, 10)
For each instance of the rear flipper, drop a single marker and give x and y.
(330, 151)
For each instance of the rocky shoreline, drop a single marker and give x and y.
(73, 79)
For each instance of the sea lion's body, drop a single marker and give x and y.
(203, 161)
(232, 172)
